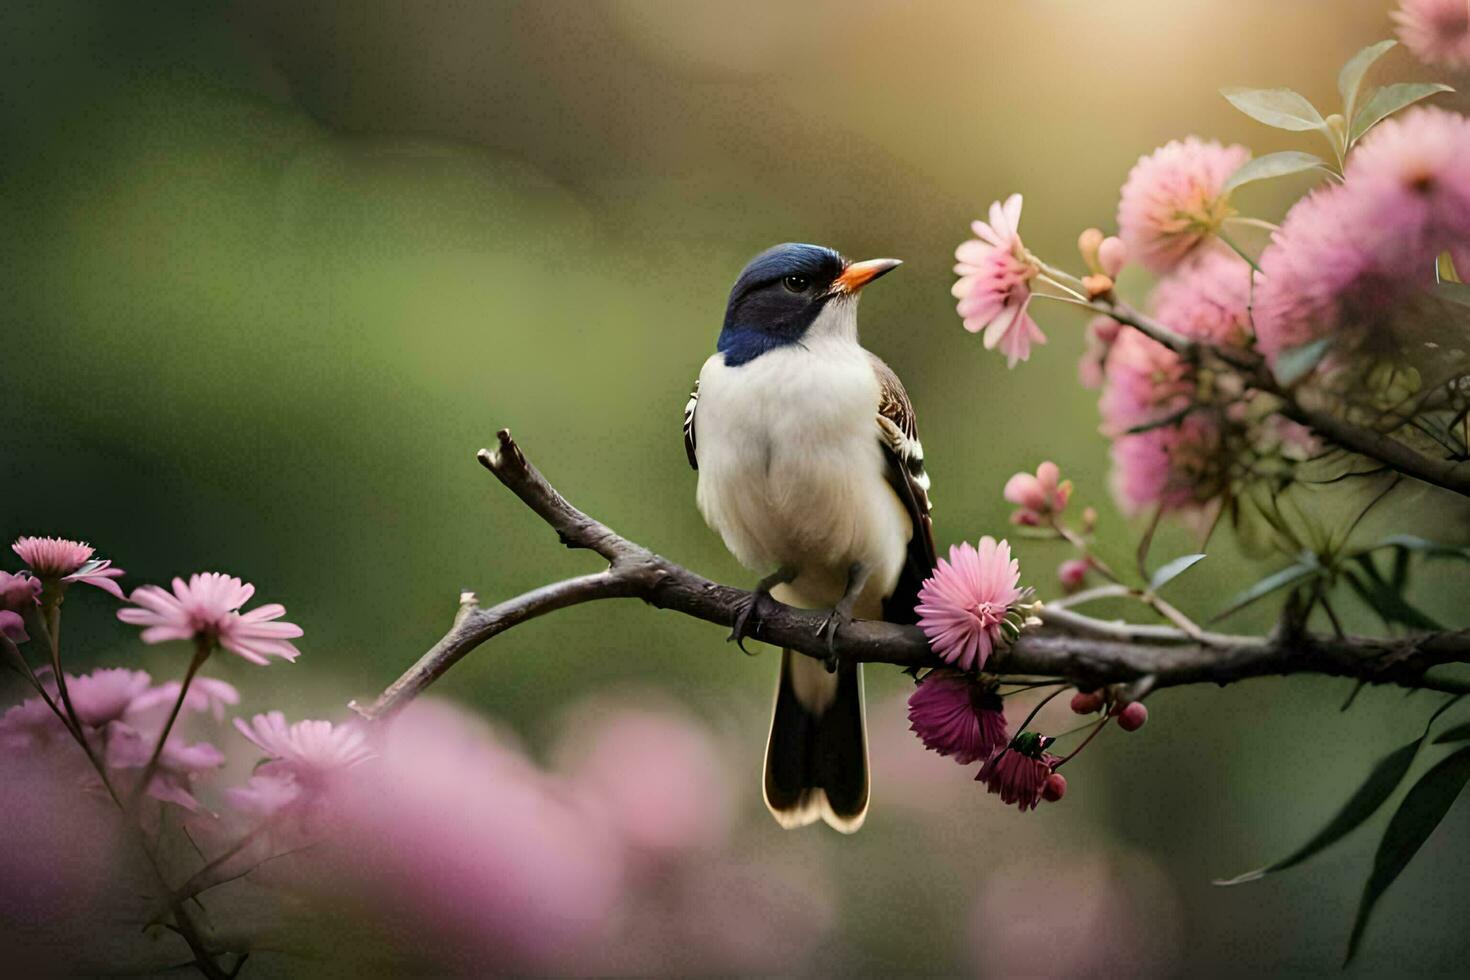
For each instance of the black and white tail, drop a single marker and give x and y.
(817, 755)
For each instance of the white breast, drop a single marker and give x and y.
(791, 471)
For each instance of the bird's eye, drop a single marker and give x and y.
(796, 284)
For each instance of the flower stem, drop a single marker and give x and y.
(1070, 755)
(202, 649)
(1062, 686)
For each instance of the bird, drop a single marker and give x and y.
(810, 468)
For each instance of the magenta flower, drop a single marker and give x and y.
(1172, 200)
(994, 287)
(206, 609)
(1437, 31)
(60, 560)
(1038, 497)
(1072, 573)
(1019, 772)
(19, 592)
(28, 723)
(963, 606)
(957, 716)
(307, 748)
(13, 627)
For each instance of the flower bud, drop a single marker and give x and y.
(1054, 788)
(1086, 702)
(1089, 519)
(1088, 243)
(1105, 329)
(1097, 285)
(1132, 716)
(1112, 254)
(1072, 574)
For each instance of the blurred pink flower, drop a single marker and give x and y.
(1018, 772)
(205, 694)
(655, 777)
(1102, 331)
(19, 592)
(28, 723)
(956, 716)
(67, 561)
(963, 604)
(1320, 272)
(1172, 200)
(1039, 496)
(105, 694)
(178, 765)
(477, 859)
(1175, 467)
(1207, 298)
(1437, 31)
(206, 609)
(13, 627)
(1145, 382)
(994, 287)
(265, 794)
(307, 749)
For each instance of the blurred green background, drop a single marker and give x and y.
(272, 272)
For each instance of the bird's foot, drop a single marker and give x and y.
(753, 607)
(836, 619)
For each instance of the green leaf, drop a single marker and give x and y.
(1460, 733)
(1297, 362)
(1388, 100)
(1272, 165)
(1280, 108)
(1385, 600)
(1350, 79)
(1430, 549)
(1382, 780)
(1277, 580)
(1418, 815)
(1455, 292)
(1172, 570)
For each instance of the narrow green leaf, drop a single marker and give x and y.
(1280, 108)
(1382, 780)
(1459, 733)
(1172, 570)
(1382, 598)
(1430, 549)
(1276, 580)
(1350, 79)
(1388, 100)
(1272, 165)
(1418, 815)
(1455, 292)
(1296, 363)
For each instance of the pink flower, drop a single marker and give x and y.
(28, 723)
(178, 765)
(994, 287)
(1172, 200)
(1437, 31)
(1176, 467)
(1019, 772)
(205, 694)
(206, 609)
(1073, 573)
(67, 561)
(1039, 496)
(1207, 298)
(19, 592)
(1145, 382)
(105, 694)
(956, 716)
(1101, 332)
(265, 794)
(307, 748)
(963, 606)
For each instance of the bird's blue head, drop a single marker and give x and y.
(783, 291)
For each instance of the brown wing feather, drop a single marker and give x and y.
(899, 433)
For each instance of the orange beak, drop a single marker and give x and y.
(859, 274)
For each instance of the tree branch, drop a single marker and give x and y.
(1077, 648)
(1447, 473)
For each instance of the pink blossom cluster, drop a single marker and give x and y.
(1351, 260)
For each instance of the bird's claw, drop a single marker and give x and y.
(836, 619)
(738, 632)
